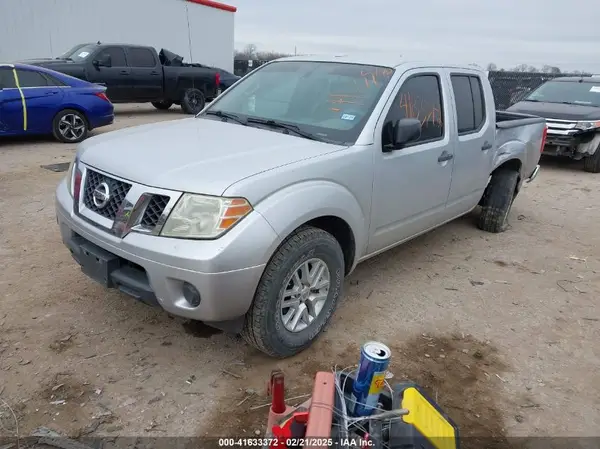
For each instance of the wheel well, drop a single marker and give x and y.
(342, 233)
(514, 165)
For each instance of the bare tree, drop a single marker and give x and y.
(550, 69)
(249, 52)
(520, 68)
(269, 55)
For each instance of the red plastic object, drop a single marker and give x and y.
(321, 408)
(294, 427)
(277, 390)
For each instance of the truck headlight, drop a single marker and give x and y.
(70, 176)
(588, 125)
(204, 217)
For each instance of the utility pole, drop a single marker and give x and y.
(295, 50)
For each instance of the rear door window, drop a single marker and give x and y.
(29, 78)
(141, 57)
(470, 103)
(52, 81)
(7, 78)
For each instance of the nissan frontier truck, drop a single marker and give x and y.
(250, 215)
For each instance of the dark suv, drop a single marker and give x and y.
(571, 107)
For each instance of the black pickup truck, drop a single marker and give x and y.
(571, 107)
(138, 74)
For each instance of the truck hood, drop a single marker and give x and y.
(195, 155)
(47, 62)
(557, 111)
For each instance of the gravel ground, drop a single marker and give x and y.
(502, 329)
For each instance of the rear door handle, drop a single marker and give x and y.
(154, 73)
(124, 72)
(445, 156)
(52, 92)
(486, 146)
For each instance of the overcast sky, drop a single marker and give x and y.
(506, 32)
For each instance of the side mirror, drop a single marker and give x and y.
(103, 61)
(406, 130)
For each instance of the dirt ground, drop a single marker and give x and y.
(502, 330)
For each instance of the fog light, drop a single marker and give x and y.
(191, 295)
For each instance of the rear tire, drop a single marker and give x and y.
(162, 105)
(267, 324)
(192, 101)
(591, 163)
(497, 201)
(70, 126)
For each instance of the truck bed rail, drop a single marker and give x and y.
(506, 120)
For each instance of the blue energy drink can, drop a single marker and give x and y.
(370, 378)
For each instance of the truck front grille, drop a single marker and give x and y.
(154, 210)
(117, 190)
(561, 127)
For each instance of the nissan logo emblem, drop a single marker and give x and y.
(101, 195)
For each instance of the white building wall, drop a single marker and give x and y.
(47, 28)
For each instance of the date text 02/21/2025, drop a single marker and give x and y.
(293, 442)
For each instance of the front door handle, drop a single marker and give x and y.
(445, 156)
(124, 72)
(486, 146)
(154, 73)
(52, 92)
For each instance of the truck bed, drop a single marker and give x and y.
(505, 120)
(513, 127)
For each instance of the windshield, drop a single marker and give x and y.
(78, 53)
(572, 92)
(329, 100)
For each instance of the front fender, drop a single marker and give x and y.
(296, 204)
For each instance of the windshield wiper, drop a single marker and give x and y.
(557, 102)
(227, 115)
(533, 101)
(293, 128)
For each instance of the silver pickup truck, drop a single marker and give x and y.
(249, 216)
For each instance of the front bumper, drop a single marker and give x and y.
(225, 271)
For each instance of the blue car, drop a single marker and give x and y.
(35, 100)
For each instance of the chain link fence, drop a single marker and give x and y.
(511, 87)
(508, 87)
(242, 67)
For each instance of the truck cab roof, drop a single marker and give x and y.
(591, 79)
(381, 59)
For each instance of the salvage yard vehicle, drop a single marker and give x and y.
(34, 100)
(571, 107)
(137, 74)
(249, 216)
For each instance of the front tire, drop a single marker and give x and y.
(70, 126)
(192, 101)
(162, 105)
(306, 274)
(497, 201)
(591, 164)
